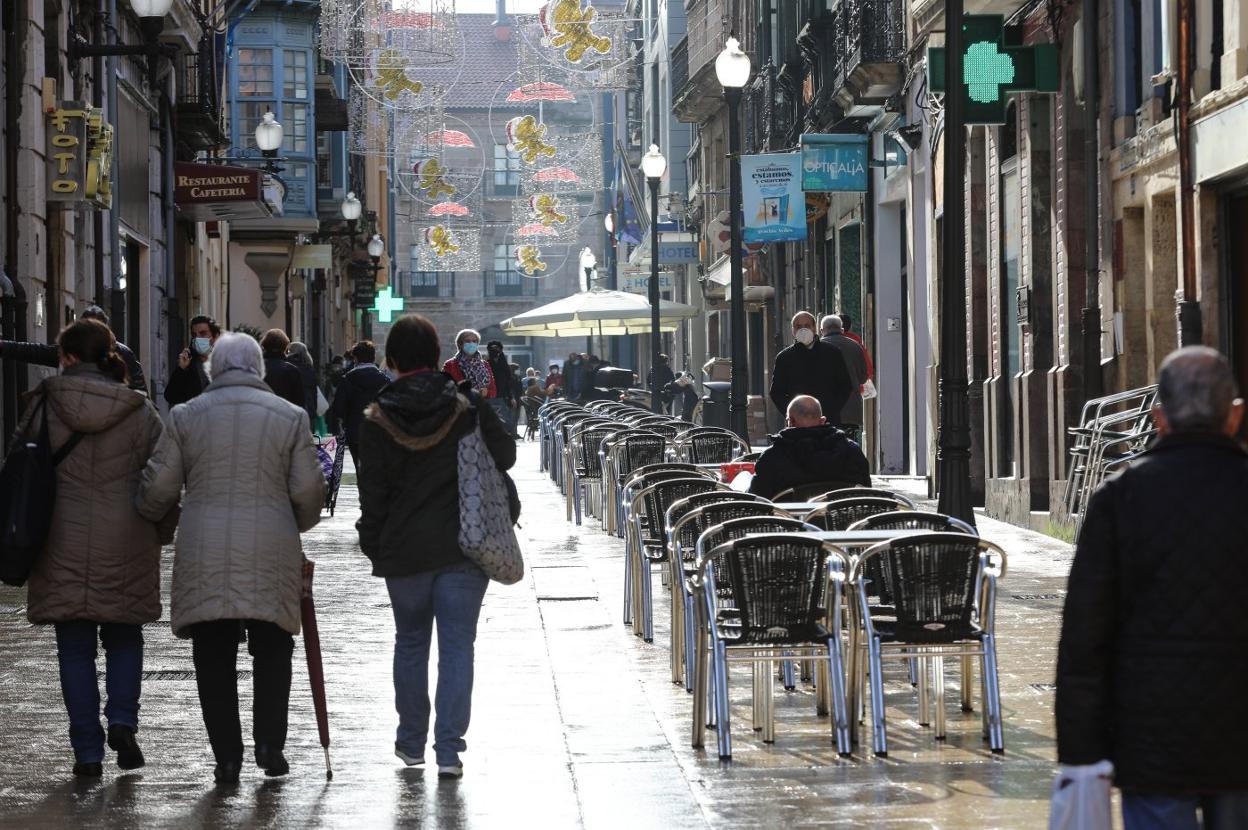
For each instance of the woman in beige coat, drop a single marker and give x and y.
(253, 484)
(98, 576)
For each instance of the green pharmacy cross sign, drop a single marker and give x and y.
(995, 63)
(385, 305)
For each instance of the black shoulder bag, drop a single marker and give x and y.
(27, 495)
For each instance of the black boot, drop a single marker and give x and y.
(121, 738)
(273, 762)
(227, 772)
(88, 770)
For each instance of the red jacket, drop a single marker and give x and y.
(451, 367)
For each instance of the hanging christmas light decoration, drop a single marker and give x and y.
(442, 247)
(576, 46)
(541, 91)
(527, 137)
(529, 259)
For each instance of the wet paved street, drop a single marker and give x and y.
(575, 722)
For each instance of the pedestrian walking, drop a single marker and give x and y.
(469, 368)
(252, 485)
(299, 356)
(810, 367)
(554, 380)
(847, 326)
(409, 490)
(849, 419)
(808, 450)
(47, 354)
(659, 380)
(280, 374)
(190, 376)
(1153, 658)
(355, 391)
(507, 390)
(97, 578)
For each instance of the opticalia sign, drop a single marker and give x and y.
(834, 163)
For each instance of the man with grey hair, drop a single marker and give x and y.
(810, 367)
(809, 450)
(1153, 661)
(850, 416)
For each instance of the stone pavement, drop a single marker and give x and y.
(575, 721)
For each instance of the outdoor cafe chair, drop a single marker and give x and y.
(839, 515)
(546, 415)
(637, 481)
(650, 541)
(682, 540)
(709, 445)
(933, 579)
(585, 464)
(786, 594)
(621, 453)
(903, 502)
(808, 492)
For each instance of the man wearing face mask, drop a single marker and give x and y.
(190, 376)
(810, 367)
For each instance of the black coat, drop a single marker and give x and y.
(308, 375)
(188, 383)
(409, 479)
(818, 371)
(804, 455)
(505, 385)
(355, 391)
(43, 354)
(1152, 666)
(284, 379)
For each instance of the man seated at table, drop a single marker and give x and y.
(809, 450)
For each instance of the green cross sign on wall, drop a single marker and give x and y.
(995, 63)
(385, 305)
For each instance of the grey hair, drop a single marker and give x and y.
(831, 324)
(234, 351)
(299, 354)
(1196, 388)
(459, 338)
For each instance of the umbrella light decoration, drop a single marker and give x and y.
(541, 91)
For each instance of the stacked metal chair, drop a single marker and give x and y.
(1112, 430)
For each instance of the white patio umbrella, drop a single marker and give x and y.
(596, 313)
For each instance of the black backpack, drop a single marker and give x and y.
(27, 494)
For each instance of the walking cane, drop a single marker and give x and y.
(316, 673)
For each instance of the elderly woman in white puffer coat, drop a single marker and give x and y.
(252, 485)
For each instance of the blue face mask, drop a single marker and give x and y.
(470, 348)
(201, 345)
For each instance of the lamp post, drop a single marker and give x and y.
(376, 247)
(954, 440)
(269, 139)
(351, 211)
(151, 14)
(732, 68)
(653, 165)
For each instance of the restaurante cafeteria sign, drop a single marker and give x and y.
(214, 183)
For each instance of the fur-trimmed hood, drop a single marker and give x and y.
(418, 411)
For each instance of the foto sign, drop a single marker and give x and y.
(834, 163)
(775, 207)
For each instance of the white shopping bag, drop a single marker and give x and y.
(1080, 798)
(868, 390)
(741, 484)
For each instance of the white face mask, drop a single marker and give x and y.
(804, 336)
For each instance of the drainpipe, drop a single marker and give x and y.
(1190, 323)
(172, 338)
(13, 296)
(98, 82)
(1093, 386)
(114, 215)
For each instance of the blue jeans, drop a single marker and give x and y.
(452, 596)
(1220, 811)
(123, 663)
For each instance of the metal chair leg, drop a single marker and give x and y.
(769, 703)
(700, 690)
(690, 648)
(756, 696)
(836, 689)
(992, 702)
(723, 718)
(925, 709)
(647, 598)
(967, 673)
(877, 699)
(938, 693)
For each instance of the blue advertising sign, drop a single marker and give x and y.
(775, 208)
(834, 163)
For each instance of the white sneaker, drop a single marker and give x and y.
(451, 771)
(410, 760)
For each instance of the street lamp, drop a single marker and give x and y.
(588, 263)
(732, 68)
(608, 222)
(376, 247)
(268, 140)
(653, 166)
(151, 14)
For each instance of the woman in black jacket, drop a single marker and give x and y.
(409, 529)
(298, 355)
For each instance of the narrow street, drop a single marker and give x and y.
(575, 721)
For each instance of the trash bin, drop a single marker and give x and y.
(715, 403)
